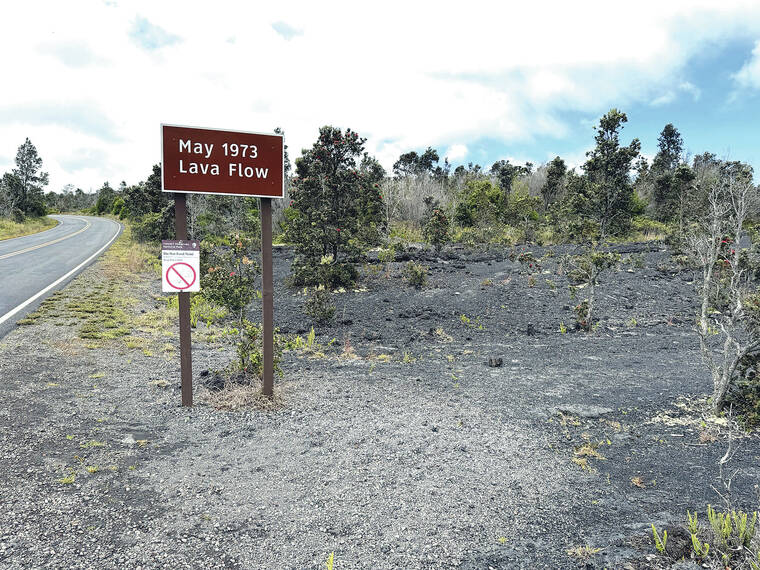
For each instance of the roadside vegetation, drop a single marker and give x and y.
(341, 203)
(10, 229)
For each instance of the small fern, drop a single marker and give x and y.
(660, 543)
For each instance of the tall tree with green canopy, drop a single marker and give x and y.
(413, 164)
(611, 202)
(666, 187)
(555, 175)
(106, 196)
(146, 197)
(506, 172)
(670, 150)
(333, 202)
(26, 182)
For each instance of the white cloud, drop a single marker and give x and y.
(671, 95)
(103, 77)
(456, 152)
(691, 89)
(664, 99)
(748, 76)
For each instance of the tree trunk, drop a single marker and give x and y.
(590, 313)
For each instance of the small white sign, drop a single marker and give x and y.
(180, 266)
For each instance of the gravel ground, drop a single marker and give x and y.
(393, 446)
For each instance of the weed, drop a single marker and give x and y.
(68, 479)
(348, 350)
(471, 323)
(589, 449)
(441, 335)
(330, 561)
(92, 443)
(562, 328)
(659, 542)
(583, 463)
(583, 552)
(93, 469)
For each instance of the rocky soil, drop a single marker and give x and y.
(393, 443)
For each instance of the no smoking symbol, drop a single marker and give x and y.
(180, 276)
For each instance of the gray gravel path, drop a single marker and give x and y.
(421, 464)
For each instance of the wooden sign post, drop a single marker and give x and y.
(233, 163)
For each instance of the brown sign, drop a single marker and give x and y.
(221, 162)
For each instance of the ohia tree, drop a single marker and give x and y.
(334, 201)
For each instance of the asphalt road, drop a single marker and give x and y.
(32, 267)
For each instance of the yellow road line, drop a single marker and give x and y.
(51, 242)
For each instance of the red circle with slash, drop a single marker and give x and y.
(179, 277)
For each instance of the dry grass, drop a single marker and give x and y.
(638, 482)
(583, 552)
(128, 259)
(589, 450)
(10, 229)
(237, 396)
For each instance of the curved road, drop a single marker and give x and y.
(32, 267)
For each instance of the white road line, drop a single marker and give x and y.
(33, 298)
(38, 246)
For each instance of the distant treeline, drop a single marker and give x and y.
(615, 193)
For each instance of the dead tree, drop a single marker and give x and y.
(727, 322)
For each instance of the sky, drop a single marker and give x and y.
(90, 82)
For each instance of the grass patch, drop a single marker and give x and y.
(10, 229)
(406, 232)
(235, 396)
(68, 480)
(583, 552)
(103, 311)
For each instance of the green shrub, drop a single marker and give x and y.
(436, 228)
(118, 206)
(17, 216)
(480, 202)
(643, 227)
(331, 275)
(229, 274)
(154, 227)
(319, 305)
(586, 269)
(250, 350)
(744, 395)
(415, 274)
